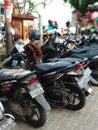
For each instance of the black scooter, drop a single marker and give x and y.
(22, 94)
(58, 50)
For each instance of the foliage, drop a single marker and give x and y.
(27, 6)
(24, 6)
(81, 4)
(2, 50)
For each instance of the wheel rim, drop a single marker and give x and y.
(33, 113)
(73, 98)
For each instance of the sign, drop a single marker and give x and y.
(17, 25)
(8, 11)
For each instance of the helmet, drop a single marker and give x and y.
(84, 30)
(34, 34)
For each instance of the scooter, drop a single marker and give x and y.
(56, 64)
(58, 50)
(57, 91)
(22, 94)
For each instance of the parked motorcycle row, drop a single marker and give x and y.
(36, 78)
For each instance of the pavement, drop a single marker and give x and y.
(63, 119)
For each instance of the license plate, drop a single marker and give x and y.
(35, 89)
(83, 82)
(36, 92)
(8, 124)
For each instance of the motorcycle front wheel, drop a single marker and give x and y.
(75, 97)
(35, 114)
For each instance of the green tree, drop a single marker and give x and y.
(22, 5)
(81, 4)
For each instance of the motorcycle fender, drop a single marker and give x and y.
(43, 102)
(9, 116)
(93, 80)
(89, 90)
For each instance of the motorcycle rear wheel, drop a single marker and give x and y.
(76, 98)
(36, 115)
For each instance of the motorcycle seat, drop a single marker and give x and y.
(83, 49)
(67, 59)
(7, 74)
(89, 54)
(53, 66)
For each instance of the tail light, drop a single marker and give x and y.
(33, 80)
(6, 88)
(78, 66)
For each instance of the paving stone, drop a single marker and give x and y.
(63, 119)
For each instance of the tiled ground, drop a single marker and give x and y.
(62, 119)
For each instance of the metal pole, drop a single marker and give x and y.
(41, 29)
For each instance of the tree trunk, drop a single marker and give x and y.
(8, 37)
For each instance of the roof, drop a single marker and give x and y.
(23, 16)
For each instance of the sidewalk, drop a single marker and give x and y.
(62, 119)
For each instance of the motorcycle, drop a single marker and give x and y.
(7, 121)
(57, 91)
(22, 94)
(62, 50)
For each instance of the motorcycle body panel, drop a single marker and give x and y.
(7, 121)
(36, 91)
(24, 92)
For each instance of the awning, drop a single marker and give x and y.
(23, 16)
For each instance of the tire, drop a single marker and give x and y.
(75, 93)
(36, 110)
(94, 73)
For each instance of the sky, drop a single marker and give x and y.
(57, 10)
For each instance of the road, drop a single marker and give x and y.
(62, 119)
